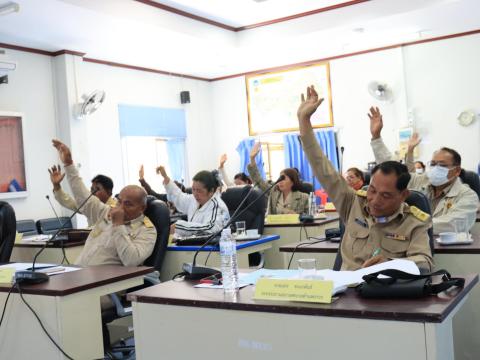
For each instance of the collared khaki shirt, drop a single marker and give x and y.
(401, 235)
(129, 244)
(458, 201)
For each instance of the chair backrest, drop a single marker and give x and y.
(51, 225)
(337, 265)
(8, 229)
(159, 214)
(420, 200)
(471, 179)
(27, 227)
(254, 217)
(306, 187)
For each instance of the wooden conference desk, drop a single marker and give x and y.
(185, 322)
(177, 255)
(457, 259)
(294, 232)
(69, 307)
(25, 252)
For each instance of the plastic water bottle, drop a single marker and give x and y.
(228, 256)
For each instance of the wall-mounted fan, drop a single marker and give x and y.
(380, 91)
(91, 102)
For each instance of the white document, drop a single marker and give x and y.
(36, 238)
(50, 269)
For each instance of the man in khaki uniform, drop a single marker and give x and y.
(121, 235)
(449, 198)
(103, 184)
(378, 224)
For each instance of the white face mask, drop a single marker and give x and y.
(419, 171)
(438, 175)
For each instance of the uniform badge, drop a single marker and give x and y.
(395, 236)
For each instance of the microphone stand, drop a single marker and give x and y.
(33, 277)
(61, 224)
(194, 272)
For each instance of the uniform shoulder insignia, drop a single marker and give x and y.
(419, 214)
(362, 193)
(147, 222)
(112, 202)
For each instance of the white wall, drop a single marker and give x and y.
(30, 91)
(130, 87)
(443, 80)
(437, 80)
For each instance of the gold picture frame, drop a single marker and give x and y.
(273, 98)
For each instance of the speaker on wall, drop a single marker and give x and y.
(185, 97)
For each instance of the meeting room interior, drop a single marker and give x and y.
(239, 179)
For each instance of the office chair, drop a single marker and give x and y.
(51, 225)
(306, 187)
(254, 217)
(419, 200)
(27, 227)
(337, 265)
(471, 179)
(159, 214)
(8, 230)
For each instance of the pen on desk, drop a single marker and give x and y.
(375, 252)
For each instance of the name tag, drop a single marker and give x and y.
(282, 219)
(361, 223)
(6, 275)
(316, 291)
(395, 236)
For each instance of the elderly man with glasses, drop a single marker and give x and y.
(449, 198)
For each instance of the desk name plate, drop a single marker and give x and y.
(316, 291)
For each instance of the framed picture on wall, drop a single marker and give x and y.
(13, 182)
(273, 98)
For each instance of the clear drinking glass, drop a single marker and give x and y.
(307, 268)
(461, 229)
(241, 228)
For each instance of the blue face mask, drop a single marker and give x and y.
(438, 175)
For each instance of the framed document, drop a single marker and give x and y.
(13, 183)
(273, 98)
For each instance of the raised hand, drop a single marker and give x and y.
(223, 159)
(310, 105)
(141, 173)
(161, 170)
(255, 150)
(414, 140)
(56, 176)
(376, 122)
(63, 152)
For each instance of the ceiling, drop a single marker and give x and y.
(141, 34)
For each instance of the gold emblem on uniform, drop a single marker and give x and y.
(449, 204)
(96, 231)
(419, 214)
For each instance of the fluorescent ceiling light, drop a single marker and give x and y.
(9, 8)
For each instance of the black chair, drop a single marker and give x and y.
(366, 176)
(471, 179)
(51, 225)
(159, 214)
(337, 265)
(254, 217)
(8, 230)
(306, 187)
(27, 227)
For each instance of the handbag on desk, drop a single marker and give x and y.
(400, 284)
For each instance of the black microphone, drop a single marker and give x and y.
(194, 272)
(342, 149)
(51, 205)
(32, 277)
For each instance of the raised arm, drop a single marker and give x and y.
(93, 209)
(253, 169)
(146, 186)
(380, 150)
(333, 182)
(411, 145)
(174, 194)
(223, 173)
(56, 177)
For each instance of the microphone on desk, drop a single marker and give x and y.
(194, 272)
(342, 149)
(33, 277)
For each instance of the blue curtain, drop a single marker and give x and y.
(295, 157)
(243, 150)
(176, 158)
